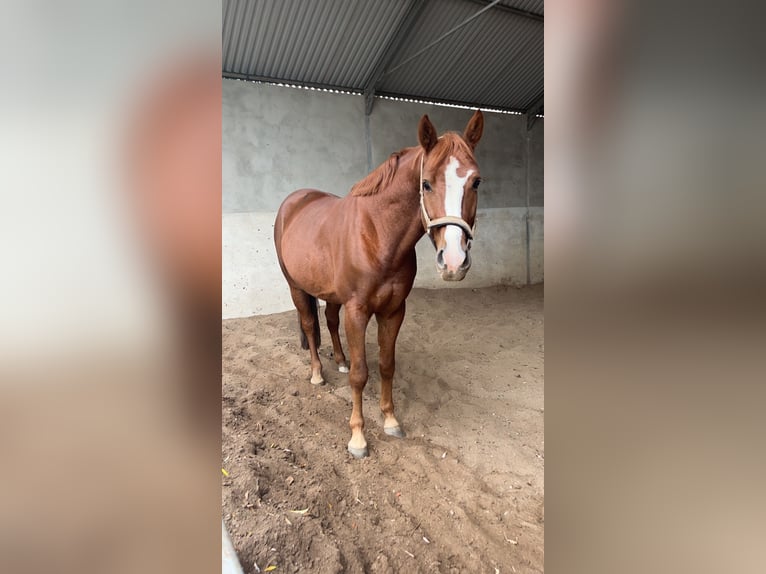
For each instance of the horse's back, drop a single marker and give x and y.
(309, 204)
(301, 198)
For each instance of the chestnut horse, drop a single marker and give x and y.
(359, 251)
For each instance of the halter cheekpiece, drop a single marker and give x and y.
(441, 221)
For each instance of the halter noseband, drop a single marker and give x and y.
(441, 221)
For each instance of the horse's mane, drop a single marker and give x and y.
(382, 176)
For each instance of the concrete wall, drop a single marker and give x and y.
(276, 140)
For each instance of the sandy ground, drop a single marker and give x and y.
(463, 492)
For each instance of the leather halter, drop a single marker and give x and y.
(441, 221)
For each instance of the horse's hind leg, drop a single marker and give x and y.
(332, 314)
(388, 330)
(307, 310)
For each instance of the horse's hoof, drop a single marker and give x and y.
(343, 368)
(317, 380)
(394, 431)
(358, 452)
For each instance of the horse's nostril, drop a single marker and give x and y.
(466, 262)
(440, 258)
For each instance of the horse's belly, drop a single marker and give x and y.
(304, 271)
(309, 271)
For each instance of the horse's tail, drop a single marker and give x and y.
(317, 336)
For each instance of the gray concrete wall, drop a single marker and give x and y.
(536, 164)
(276, 140)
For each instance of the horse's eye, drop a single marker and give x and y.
(476, 183)
(426, 185)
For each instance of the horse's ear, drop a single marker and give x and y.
(474, 129)
(427, 134)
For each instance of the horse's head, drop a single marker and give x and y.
(449, 183)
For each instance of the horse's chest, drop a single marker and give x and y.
(389, 296)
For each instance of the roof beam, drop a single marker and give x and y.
(379, 69)
(517, 11)
(382, 93)
(441, 38)
(532, 111)
(447, 102)
(288, 82)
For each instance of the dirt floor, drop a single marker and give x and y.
(463, 492)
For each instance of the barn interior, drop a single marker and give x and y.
(360, 76)
(317, 94)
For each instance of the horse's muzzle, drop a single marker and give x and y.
(449, 273)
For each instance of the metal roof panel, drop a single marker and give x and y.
(494, 61)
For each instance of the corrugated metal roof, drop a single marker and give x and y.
(533, 6)
(494, 61)
(326, 42)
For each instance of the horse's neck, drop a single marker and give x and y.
(396, 210)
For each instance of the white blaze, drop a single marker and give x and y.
(453, 205)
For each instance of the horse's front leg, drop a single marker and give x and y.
(356, 319)
(388, 330)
